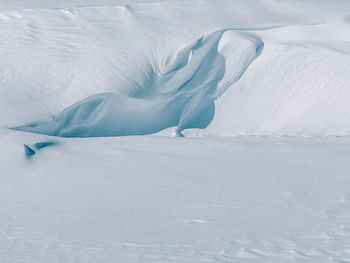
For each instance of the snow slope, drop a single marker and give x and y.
(53, 58)
(13, 5)
(182, 96)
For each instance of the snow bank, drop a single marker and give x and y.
(298, 86)
(182, 96)
(128, 68)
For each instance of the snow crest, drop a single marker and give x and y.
(183, 95)
(127, 68)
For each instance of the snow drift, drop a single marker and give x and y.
(182, 96)
(77, 68)
(122, 70)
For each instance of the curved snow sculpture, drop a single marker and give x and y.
(184, 94)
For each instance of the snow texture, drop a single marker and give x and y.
(160, 199)
(126, 70)
(257, 88)
(182, 96)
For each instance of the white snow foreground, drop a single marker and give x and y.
(160, 199)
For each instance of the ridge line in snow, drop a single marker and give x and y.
(68, 8)
(187, 91)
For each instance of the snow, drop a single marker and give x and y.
(182, 96)
(243, 199)
(259, 89)
(58, 57)
(11, 5)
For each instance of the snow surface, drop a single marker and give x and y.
(182, 96)
(54, 58)
(217, 72)
(163, 199)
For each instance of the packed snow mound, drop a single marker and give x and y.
(298, 86)
(182, 96)
(122, 70)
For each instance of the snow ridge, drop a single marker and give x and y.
(182, 96)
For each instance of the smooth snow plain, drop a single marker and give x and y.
(259, 89)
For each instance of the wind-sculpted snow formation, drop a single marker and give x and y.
(182, 96)
(96, 68)
(123, 70)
